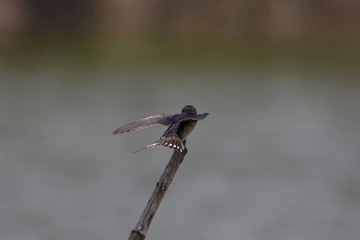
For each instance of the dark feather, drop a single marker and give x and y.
(163, 119)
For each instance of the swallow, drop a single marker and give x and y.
(180, 126)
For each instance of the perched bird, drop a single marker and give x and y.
(180, 126)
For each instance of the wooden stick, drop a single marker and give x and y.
(140, 230)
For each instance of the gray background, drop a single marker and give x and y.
(277, 158)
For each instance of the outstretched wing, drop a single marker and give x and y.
(163, 119)
(182, 117)
(169, 139)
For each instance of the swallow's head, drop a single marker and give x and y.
(189, 109)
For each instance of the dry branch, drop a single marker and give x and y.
(140, 230)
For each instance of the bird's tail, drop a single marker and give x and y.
(172, 142)
(148, 146)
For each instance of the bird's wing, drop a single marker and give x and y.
(164, 119)
(192, 117)
(169, 139)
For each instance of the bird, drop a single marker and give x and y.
(180, 126)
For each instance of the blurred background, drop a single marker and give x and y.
(277, 158)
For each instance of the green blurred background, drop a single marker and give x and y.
(277, 158)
